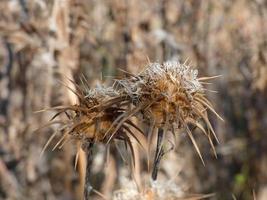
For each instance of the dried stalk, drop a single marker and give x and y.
(158, 155)
(88, 148)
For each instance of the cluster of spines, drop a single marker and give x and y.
(166, 96)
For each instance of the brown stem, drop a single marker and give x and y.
(158, 155)
(89, 154)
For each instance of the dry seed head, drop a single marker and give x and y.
(168, 91)
(167, 96)
(157, 191)
(170, 96)
(90, 120)
(99, 117)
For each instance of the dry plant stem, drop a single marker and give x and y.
(89, 154)
(158, 155)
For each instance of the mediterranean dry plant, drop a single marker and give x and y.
(170, 96)
(87, 122)
(166, 97)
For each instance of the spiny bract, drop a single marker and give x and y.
(166, 96)
(170, 96)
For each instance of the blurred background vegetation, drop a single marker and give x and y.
(43, 41)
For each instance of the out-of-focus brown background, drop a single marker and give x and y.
(43, 41)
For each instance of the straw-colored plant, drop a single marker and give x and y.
(170, 96)
(87, 123)
(167, 97)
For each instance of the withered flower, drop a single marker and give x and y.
(170, 96)
(99, 117)
(166, 97)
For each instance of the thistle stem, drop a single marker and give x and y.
(89, 155)
(158, 155)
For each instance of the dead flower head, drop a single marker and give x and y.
(97, 118)
(166, 96)
(170, 96)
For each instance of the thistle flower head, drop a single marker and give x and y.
(171, 87)
(90, 119)
(96, 118)
(167, 92)
(167, 96)
(170, 96)
(167, 190)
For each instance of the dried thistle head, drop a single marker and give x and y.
(167, 190)
(96, 118)
(167, 96)
(94, 115)
(170, 96)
